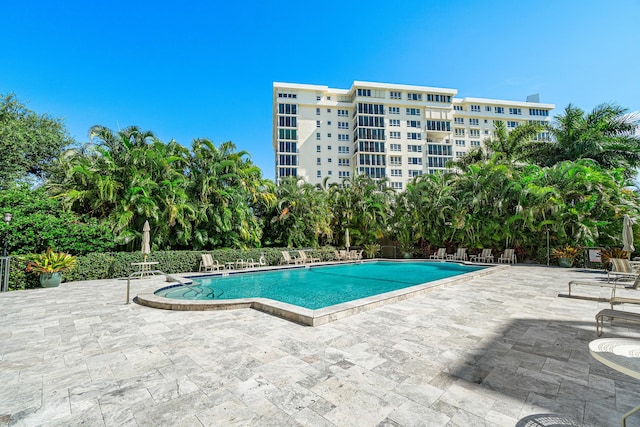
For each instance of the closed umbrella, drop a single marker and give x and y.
(146, 240)
(627, 235)
(346, 239)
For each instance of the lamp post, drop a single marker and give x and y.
(7, 220)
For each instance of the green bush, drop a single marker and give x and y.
(108, 265)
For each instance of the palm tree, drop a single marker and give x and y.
(605, 135)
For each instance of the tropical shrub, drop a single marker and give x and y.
(49, 261)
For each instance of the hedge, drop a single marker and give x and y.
(109, 265)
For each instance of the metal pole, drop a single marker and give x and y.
(128, 286)
(4, 253)
(547, 246)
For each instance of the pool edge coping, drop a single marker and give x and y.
(305, 316)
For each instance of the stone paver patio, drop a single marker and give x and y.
(487, 352)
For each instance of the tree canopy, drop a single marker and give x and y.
(29, 142)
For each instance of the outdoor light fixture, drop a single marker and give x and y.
(7, 220)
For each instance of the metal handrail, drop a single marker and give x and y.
(168, 278)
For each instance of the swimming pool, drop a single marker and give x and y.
(318, 286)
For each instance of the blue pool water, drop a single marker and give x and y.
(319, 286)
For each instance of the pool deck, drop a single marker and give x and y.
(489, 351)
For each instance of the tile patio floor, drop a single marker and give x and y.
(487, 352)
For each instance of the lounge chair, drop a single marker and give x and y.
(484, 256)
(209, 264)
(441, 253)
(305, 258)
(286, 256)
(508, 256)
(344, 255)
(625, 300)
(262, 262)
(460, 255)
(622, 267)
(613, 285)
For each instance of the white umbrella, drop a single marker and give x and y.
(627, 235)
(146, 240)
(346, 239)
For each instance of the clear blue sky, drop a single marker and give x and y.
(205, 69)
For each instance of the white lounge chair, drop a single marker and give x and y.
(441, 253)
(262, 262)
(622, 267)
(305, 258)
(508, 256)
(286, 256)
(484, 256)
(460, 255)
(618, 283)
(209, 264)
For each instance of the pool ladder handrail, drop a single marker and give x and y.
(168, 278)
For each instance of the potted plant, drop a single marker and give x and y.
(405, 243)
(565, 255)
(49, 265)
(371, 250)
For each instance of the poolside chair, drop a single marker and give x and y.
(286, 256)
(209, 264)
(508, 256)
(460, 255)
(262, 262)
(618, 283)
(622, 267)
(484, 256)
(305, 258)
(344, 255)
(441, 253)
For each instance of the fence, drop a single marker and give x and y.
(4, 273)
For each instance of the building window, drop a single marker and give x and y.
(287, 109)
(343, 174)
(329, 160)
(500, 110)
(458, 120)
(287, 147)
(328, 110)
(414, 172)
(414, 148)
(413, 111)
(487, 108)
(538, 112)
(438, 98)
(329, 123)
(395, 160)
(291, 134)
(414, 160)
(414, 96)
(318, 174)
(474, 122)
(459, 132)
(318, 136)
(287, 95)
(343, 162)
(396, 172)
(318, 148)
(457, 107)
(318, 161)
(343, 113)
(414, 135)
(475, 143)
(475, 108)
(474, 133)
(342, 149)
(395, 95)
(459, 154)
(460, 143)
(394, 147)
(328, 135)
(394, 122)
(396, 185)
(486, 131)
(318, 97)
(439, 125)
(413, 123)
(343, 125)
(288, 121)
(394, 135)
(394, 110)
(364, 92)
(515, 111)
(511, 124)
(343, 137)
(317, 111)
(317, 123)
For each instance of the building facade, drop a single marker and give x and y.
(383, 130)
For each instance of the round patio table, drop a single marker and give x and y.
(621, 354)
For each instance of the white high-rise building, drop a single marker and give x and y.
(383, 130)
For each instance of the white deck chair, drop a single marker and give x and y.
(460, 255)
(286, 256)
(508, 256)
(441, 253)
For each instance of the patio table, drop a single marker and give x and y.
(621, 354)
